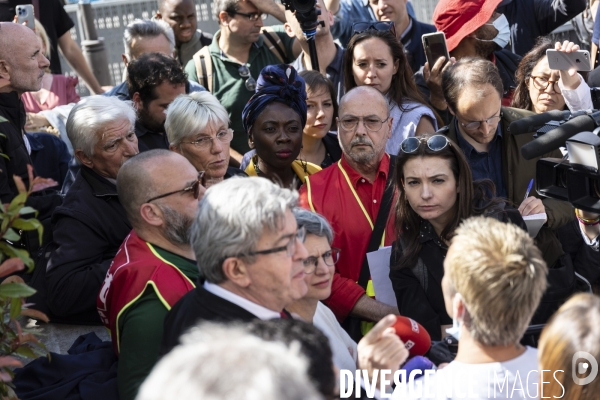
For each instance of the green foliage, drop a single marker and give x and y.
(15, 340)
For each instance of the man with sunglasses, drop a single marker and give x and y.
(350, 195)
(230, 66)
(250, 253)
(155, 266)
(480, 126)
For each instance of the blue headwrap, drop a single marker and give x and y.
(276, 83)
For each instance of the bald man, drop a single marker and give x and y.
(22, 65)
(155, 265)
(359, 180)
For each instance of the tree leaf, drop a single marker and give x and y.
(26, 351)
(35, 314)
(20, 253)
(19, 201)
(10, 266)
(16, 290)
(28, 210)
(15, 307)
(7, 361)
(11, 235)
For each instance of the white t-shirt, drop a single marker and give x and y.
(342, 345)
(514, 379)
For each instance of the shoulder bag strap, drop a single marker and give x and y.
(274, 44)
(203, 63)
(380, 223)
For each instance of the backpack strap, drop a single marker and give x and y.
(203, 63)
(274, 44)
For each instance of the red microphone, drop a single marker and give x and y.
(415, 337)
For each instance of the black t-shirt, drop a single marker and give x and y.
(52, 16)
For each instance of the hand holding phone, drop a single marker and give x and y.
(578, 60)
(435, 47)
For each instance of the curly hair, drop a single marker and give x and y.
(151, 70)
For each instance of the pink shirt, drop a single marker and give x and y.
(62, 91)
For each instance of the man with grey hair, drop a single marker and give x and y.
(144, 36)
(365, 170)
(229, 363)
(155, 266)
(90, 225)
(22, 66)
(250, 254)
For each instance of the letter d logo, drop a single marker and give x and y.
(583, 367)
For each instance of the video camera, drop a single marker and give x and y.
(576, 177)
(306, 13)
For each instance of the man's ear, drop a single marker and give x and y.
(137, 101)
(236, 271)
(224, 18)
(152, 214)
(288, 30)
(4, 70)
(390, 123)
(84, 159)
(176, 149)
(125, 60)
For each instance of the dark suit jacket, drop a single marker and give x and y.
(198, 305)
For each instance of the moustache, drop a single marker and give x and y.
(362, 140)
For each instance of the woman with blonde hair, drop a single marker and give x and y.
(573, 329)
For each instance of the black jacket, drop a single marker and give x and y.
(88, 230)
(198, 305)
(418, 289)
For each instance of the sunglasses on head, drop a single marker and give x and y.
(434, 143)
(382, 26)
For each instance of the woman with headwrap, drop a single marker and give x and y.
(274, 119)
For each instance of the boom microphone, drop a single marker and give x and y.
(535, 122)
(557, 137)
(415, 337)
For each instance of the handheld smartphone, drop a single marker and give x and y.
(579, 60)
(25, 14)
(435, 47)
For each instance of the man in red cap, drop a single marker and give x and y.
(473, 29)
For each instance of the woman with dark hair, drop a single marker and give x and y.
(274, 119)
(540, 89)
(375, 57)
(320, 146)
(437, 193)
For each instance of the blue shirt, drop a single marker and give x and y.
(485, 165)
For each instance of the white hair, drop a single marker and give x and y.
(144, 28)
(91, 115)
(191, 113)
(228, 363)
(232, 217)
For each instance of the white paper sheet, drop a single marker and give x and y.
(534, 223)
(379, 264)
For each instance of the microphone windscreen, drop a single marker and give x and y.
(535, 122)
(557, 137)
(417, 362)
(415, 337)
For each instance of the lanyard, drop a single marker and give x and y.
(362, 207)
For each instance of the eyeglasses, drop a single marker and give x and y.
(194, 188)
(471, 126)
(372, 123)
(434, 143)
(253, 16)
(205, 142)
(290, 247)
(542, 83)
(244, 72)
(382, 26)
(329, 258)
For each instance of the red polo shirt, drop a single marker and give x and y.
(328, 193)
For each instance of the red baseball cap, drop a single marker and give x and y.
(458, 18)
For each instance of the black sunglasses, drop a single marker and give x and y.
(434, 143)
(194, 188)
(382, 26)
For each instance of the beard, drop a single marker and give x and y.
(362, 157)
(149, 121)
(484, 49)
(177, 226)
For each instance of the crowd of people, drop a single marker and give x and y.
(217, 210)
